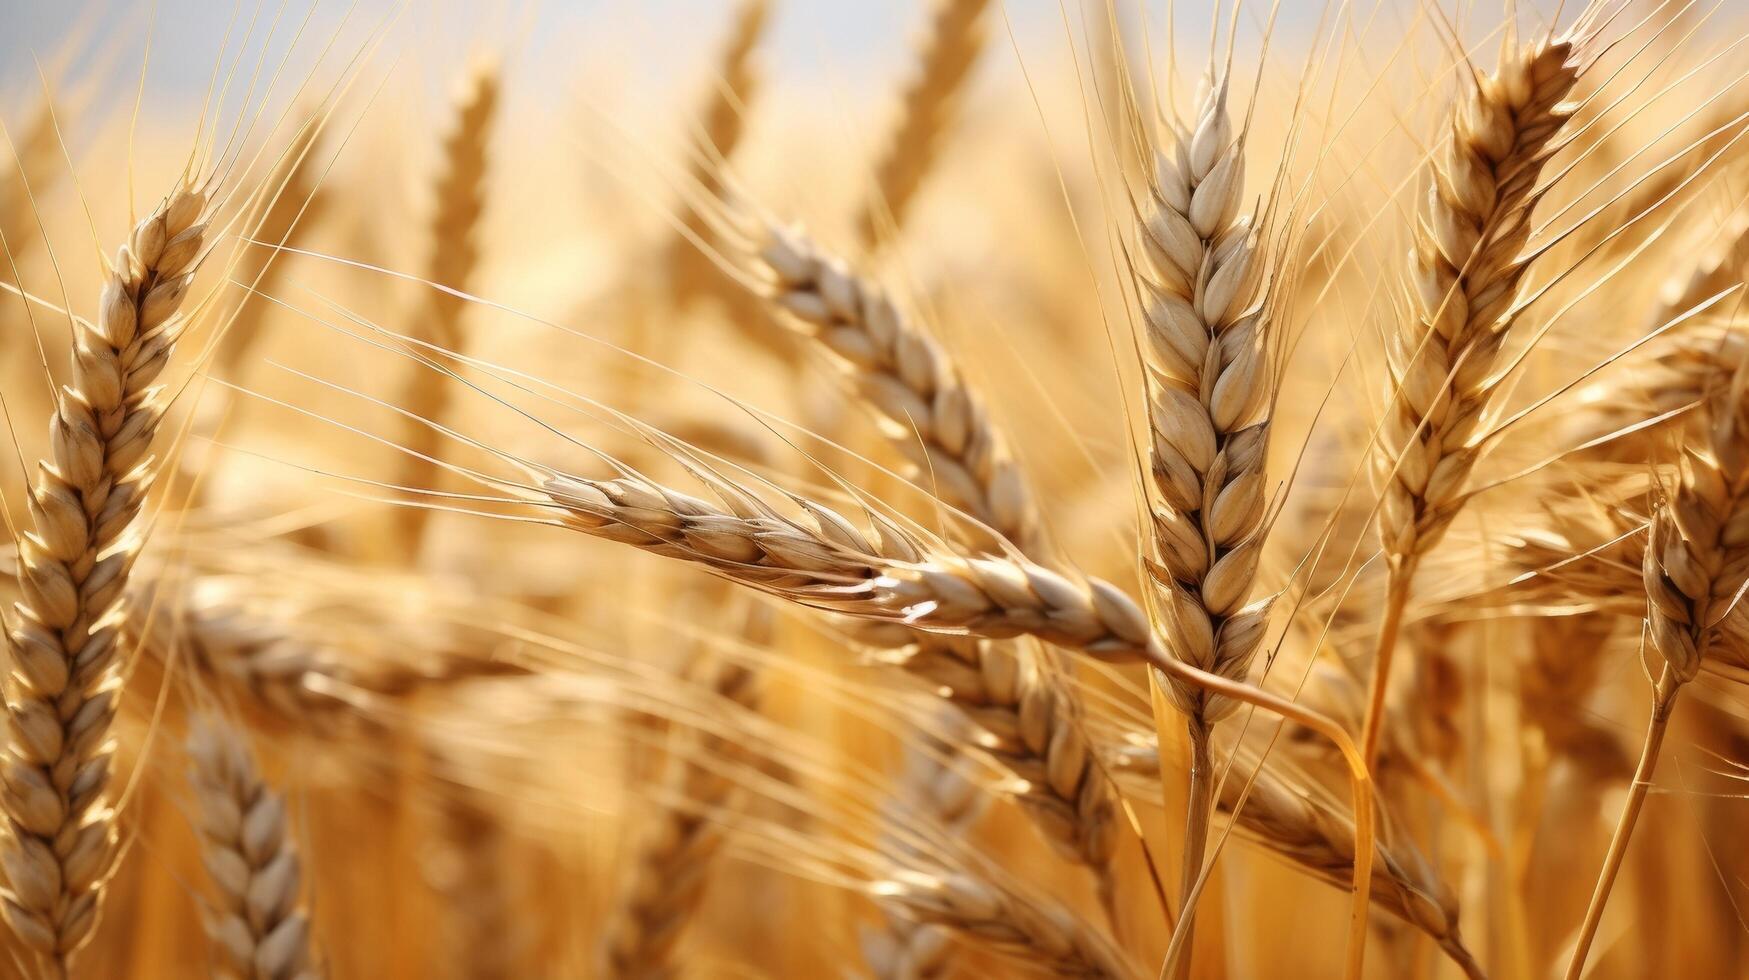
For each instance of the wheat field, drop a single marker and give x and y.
(972, 488)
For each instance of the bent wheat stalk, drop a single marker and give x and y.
(64, 635)
(1464, 276)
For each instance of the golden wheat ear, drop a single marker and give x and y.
(256, 923)
(64, 636)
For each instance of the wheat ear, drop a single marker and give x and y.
(718, 134)
(1210, 383)
(1044, 936)
(950, 49)
(936, 417)
(64, 635)
(1464, 275)
(257, 925)
(824, 561)
(667, 883)
(908, 949)
(1696, 566)
(904, 373)
(280, 680)
(458, 201)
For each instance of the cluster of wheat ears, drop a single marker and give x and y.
(1248, 486)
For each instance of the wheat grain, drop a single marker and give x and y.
(64, 633)
(257, 925)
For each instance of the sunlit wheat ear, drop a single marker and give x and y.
(666, 885)
(949, 51)
(459, 199)
(1045, 937)
(1031, 722)
(1464, 275)
(1210, 382)
(938, 417)
(721, 123)
(1696, 568)
(889, 574)
(907, 949)
(256, 921)
(64, 634)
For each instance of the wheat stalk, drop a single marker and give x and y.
(666, 887)
(1696, 566)
(257, 926)
(459, 199)
(951, 47)
(64, 633)
(1464, 276)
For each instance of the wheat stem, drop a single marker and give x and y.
(1663, 703)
